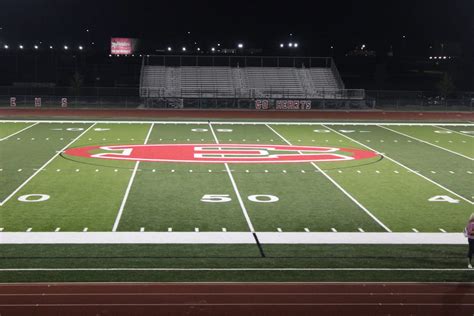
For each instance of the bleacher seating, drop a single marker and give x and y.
(247, 82)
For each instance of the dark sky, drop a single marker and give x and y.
(258, 23)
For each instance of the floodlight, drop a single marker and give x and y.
(290, 44)
(240, 45)
(66, 47)
(169, 49)
(50, 47)
(184, 49)
(21, 46)
(5, 46)
(80, 47)
(36, 46)
(213, 49)
(282, 45)
(295, 45)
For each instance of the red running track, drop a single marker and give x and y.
(238, 114)
(237, 299)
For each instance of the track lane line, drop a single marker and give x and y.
(426, 142)
(362, 207)
(43, 166)
(129, 186)
(18, 132)
(403, 166)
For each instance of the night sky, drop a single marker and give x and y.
(258, 24)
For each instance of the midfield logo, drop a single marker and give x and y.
(221, 153)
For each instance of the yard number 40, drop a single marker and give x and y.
(223, 198)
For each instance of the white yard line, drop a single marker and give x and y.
(129, 186)
(220, 237)
(24, 129)
(403, 166)
(43, 166)
(344, 123)
(426, 142)
(362, 207)
(451, 130)
(235, 269)
(234, 185)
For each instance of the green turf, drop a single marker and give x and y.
(88, 193)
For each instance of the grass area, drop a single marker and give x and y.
(421, 180)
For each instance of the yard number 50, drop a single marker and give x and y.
(223, 198)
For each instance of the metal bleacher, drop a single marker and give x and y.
(242, 82)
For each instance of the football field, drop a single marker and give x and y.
(234, 190)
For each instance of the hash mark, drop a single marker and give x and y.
(334, 230)
(29, 229)
(302, 171)
(340, 171)
(96, 170)
(209, 170)
(358, 171)
(396, 171)
(1, 229)
(142, 229)
(224, 229)
(115, 170)
(415, 230)
(57, 170)
(170, 229)
(279, 230)
(57, 229)
(433, 171)
(361, 230)
(306, 230)
(284, 171)
(266, 171)
(172, 170)
(196, 230)
(376, 171)
(451, 172)
(190, 171)
(470, 172)
(19, 170)
(85, 229)
(442, 230)
(154, 170)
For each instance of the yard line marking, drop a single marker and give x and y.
(236, 190)
(408, 168)
(454, 131)
(44, 166)
(129, 186)
(85, 229)
(361, 230)
(442, 230)
(337, 185)
(334, 230)
(57, 229)
(24, 129)
(415, 230)
(306, 230)
(425, 142)
(451, 172)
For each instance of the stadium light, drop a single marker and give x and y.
(282, 45)
(290, 44)
(444, 57)
(36, 47)
(5, 46)
(169, 49)
(20, 46)
(431, 57)
(213, 49)
(198, 49)
(66, 47)
(219, 44)
(240, 45)
(50, 47)
(81, 47)
(295, 45)
(183, 49)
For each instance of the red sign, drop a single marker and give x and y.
(121, 46)
(221, 153)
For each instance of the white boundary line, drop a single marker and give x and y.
(425, 142)
(233, 269)
(451, 130)
(234, 185)
(129, 186)
(403, 166)
(18, 132)
(344, 123)
(43, 166)
(337, 185)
